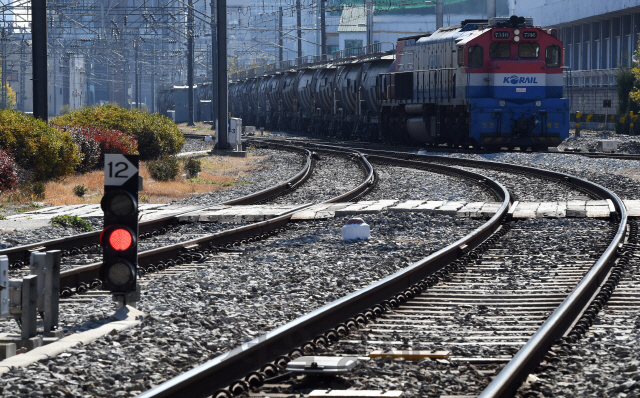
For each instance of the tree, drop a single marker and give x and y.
(11, 97)
(233, 65)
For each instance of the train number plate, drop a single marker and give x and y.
(521, 89)
(530, 35)
(501, 35)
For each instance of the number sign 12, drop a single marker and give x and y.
(118, 169)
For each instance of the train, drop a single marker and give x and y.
(484, 83)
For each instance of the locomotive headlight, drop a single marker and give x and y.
(516, 32)
(516, 39)
(502, 103)
(538, 103)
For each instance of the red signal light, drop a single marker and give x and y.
(120, 239)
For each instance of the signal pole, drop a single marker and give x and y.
(299, 21)
(323, 32)
(369, 14)
(190, 33)
(223, 111)
(214, 66)
(39, 54)
(280, 34)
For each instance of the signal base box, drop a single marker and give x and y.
(607, 146)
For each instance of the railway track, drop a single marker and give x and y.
(309, 333)
(84, 243)
(82, 278)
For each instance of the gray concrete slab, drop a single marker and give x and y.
(470, 210)
(407, 205)
(633, 207)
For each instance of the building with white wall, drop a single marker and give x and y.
(596, 34)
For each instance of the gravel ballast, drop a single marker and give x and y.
(237, 297)
(402, 183)
(332, 176)
(620, 176)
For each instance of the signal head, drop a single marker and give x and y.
(120, 203)
(118, 238)
(118, 275)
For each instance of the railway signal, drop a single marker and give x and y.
(119, 238)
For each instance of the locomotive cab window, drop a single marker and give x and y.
(528, 50)
(500, 50)
(552, 56)
(476, 57)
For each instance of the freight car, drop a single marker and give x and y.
(491, 84)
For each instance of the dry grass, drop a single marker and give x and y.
(199, 128)
(218, 173)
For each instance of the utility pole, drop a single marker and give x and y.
(190, 33)
(214, 66)
(323, 32)
(39, 54)
(221, 132)
(280, 44)
(66, 79)
(299, 22)
(153, 80)
(439, 13)
(136, 44)
(23, 72)
(4, 68)
(491, 9)
(87, 72)
(369, 13)
(125, 64)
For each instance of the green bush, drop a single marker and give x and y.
(164, 169)
(79, 190)
(192, 166)
(157, 135)
(37, 147)
(35, 189)
(71, 221)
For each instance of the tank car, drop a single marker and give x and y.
(491, 84)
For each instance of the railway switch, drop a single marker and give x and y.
(119, 239)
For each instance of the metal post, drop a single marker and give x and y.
(190, 33)
(52, 290)
(221, 132)
(439, 13)
(136, 44)
(491, 9)
(299, 22)
(38, 264)
(87, 73)
(66, 84)
(29, 314)
(4, 69)
(23, 72)
(369, 22)
(323, 31)
(214, 66)
(280, 43)
(4, 286)
(125, 64)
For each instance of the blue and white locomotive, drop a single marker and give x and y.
(490, 84)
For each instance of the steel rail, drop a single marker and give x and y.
(88, 273)
(221, 371)
(22, 253)
(560, 321)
